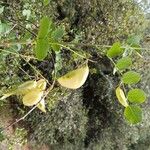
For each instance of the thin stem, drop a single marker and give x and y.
(17, 54)
(8, 44)
(100, 45)
(82, 56)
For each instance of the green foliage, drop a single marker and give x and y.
(131, 77)
(4, 29)
(124, 63)
(115, 50)
(42, 45)
(133, 114)
(48, 36)
(46, 2)
(1, 9)
(42, 48)
(2, 137)
(136, 96)
(134, 41)
(44, 28)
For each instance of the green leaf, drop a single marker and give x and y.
(134, 41)
(57, 34)
(115, 50)
(131, 77)
(124, 63)
(44, 27)
(2, 137)
(55, 47)
(133, 114)
(4, 28)
(46, 2)
(42, 48)
(136, 96)
(1, 9)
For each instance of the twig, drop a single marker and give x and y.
(76, 52)
(17, 54)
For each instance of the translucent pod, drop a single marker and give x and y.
(121, 97)
(75, 79)
(41, 105)
(41, 84)
(21, 89)
(33, 97)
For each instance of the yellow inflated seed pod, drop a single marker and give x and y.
(75, 79)
(21, 89)
(121, 97)
(32, 97)
(26, 87)
(41, 105)
(41, 84)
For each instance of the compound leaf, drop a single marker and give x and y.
(136, 96)
(115, 50)
(42, 47)
(44, 27)
(131, 77)
(124, 63)
(133, 114)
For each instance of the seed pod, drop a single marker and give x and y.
(33, 97)
(26, 87)
(21, 89)
(41, 105)
(41, 84)
(121, 97)
(74, 79)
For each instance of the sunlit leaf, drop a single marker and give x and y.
(41, 105)
(131, 77)
(136, 96)
(42, 48)
(121, 97)
(133, 114)
(32, 97)
(44, 27)
(124, 63)
(74, 79)
(115, 50)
